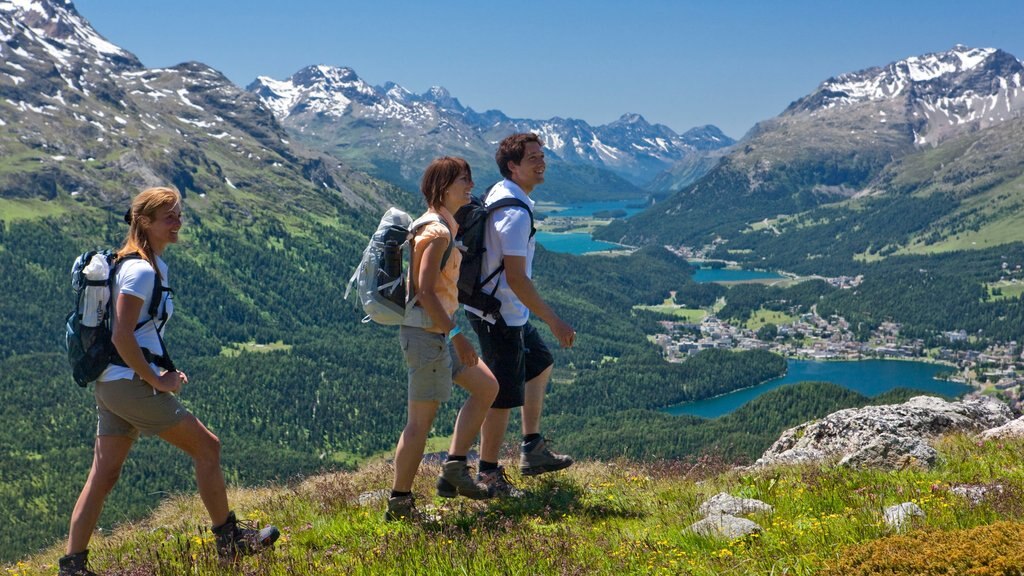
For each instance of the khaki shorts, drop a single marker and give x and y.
(432, 363)
(131, 407)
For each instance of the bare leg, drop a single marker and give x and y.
(413, 441)
(533, 403)
(492, 433)
(483, 388)
(204, 447)
(109, 455)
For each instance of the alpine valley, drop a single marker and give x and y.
(910, 175)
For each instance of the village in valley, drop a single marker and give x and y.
(998, 368)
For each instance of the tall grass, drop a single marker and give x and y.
(609, 518)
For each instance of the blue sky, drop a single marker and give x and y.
(680, 63)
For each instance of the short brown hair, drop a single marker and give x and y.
(441, 174)
(512, 149)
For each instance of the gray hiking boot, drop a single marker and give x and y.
(75, 565)
(498, 482)
(235, 539)
(535, 459)
(457, 480)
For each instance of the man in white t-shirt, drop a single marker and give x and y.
(510, 345)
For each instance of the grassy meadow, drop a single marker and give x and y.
(617, 517)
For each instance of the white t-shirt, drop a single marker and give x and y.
(508, 234)
(136, 277)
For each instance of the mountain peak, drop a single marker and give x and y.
(632, 118)
(440, 96)
(935, 95)
(324, 74)
(58, 20)
(897, 79)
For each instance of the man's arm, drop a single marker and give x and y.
(522, 285)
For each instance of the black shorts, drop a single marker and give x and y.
(515, 354)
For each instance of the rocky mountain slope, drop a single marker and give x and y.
(853, 137)
(80, 116)
(394, 132)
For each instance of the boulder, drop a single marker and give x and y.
(725, 526)
(897, 517)
(977, 493)
(1012, 429)
(891, 436)
(726, 504)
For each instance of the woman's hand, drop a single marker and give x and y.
(171, 381)
(465, 351)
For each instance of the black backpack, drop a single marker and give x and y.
(90, 348)
(472, 220)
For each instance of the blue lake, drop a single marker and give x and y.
(573, 243)
(577, 242)
(725, 275)
(867, 377)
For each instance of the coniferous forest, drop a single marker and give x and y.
(280, 366)
(284, 372)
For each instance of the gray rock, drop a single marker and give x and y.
(725, 526)
(890, 451)
(898, 516)
(976, 494)
(891, 436)
(1013, 429)
(373, 498)
(726, 504)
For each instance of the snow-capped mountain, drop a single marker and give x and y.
(849, 139)
(85, 117)
(333, 109)
(938, 95)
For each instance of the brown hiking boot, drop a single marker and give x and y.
(457, 480)
(75, 565)
(403, 509)
(536, 458)
(498, 481)
(236, 539)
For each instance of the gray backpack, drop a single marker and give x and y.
(380, 277)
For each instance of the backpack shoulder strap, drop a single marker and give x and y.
(515, 203)
(427, 219)
(155, 298)
(416, 225)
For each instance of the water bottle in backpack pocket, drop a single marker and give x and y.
(87, 329)
(390, 279)
(95, 294)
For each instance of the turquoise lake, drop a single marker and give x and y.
(573, 243)
(581, 243)
(724, 275)
(867, 377)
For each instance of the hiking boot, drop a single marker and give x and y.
(236, 539)
(403, 508)
(535, 459)
(498, 482)
(456, 480)
(75, 565)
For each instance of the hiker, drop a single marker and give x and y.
(509, 344)
(440, 353)
(134, 396)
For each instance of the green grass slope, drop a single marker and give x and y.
(618, 517)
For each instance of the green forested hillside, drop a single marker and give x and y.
(328, 391)
(331, 393)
